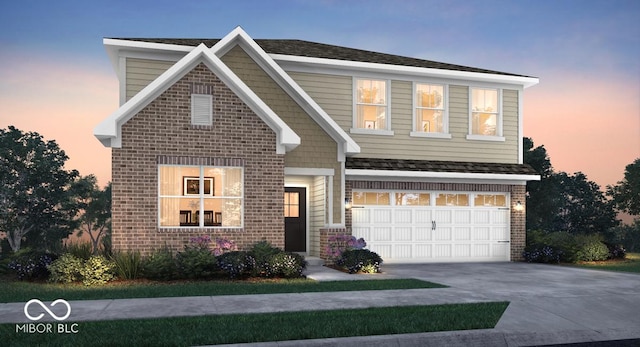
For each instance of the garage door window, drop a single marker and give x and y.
(490, 200)
(371, 198)
(413, 199)
(443, 199)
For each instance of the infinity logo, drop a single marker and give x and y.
(53, 315)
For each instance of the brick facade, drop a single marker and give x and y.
(162, 133)
(518, 218)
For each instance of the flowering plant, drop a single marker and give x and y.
(223, 246)
(338, 244)
(201, 242)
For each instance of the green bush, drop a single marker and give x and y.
(97, 270)
(355, 260)
(196, 263)
(286, 264)
(236, 264)
(160, 265)
(66, 269)
(591, 248)
(128, 265)
(30, 265)
(261, 253)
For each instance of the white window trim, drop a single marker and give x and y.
(206, 98)
(357, 130)
(432, 198)
(499, 121)
(202, 197)
(445, 114)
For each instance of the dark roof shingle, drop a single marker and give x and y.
(320, 50)
(438, 166)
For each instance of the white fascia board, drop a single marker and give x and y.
(240, 37)
(394, 174)
(320, 63)
(110, 128)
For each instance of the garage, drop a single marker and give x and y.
(433, 226)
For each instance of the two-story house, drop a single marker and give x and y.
(292, 141)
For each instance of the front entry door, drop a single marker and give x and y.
(295, 219)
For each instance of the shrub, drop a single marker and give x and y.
(66, 269)
(286, 264)
(196, 262)
(355, 260)
(545, 254)
(82, 250)
(591, 248)
(128, 265)
(616, 251)
(97, 270)
(236, 264)
(160, 265)
(262, 253)
(338, 244)
(29, 265)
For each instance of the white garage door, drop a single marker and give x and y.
(433, 226)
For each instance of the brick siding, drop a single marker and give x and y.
(162, 133)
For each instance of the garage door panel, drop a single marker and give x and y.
(383, 251)
(463, 234)
(482, 250)
(423, 217)
(422, 233)
(462, 217)
(402, 233)
(443, 234)
(443, 217)
(462, 250)
(482, 233)
(500, 216)
(382, 216)
(363, 232)
(500, 250)
(499, 233)
(381, 234)
(402, 251)
(422, 251)
(482, 217)
(442, 251)
(361, 216)
(403, 216)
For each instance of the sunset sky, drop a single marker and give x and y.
(56, 79)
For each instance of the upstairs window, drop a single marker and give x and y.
(371, 105)
(485, 115)
(429, 108)
(201, 109)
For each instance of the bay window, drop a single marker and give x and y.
(200, 196)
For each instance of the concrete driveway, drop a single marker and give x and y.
(559, 302)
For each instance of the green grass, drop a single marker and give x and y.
(242, 328)
(630, 264)
(16, 291)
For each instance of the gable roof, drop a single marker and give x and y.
(310, 49)
(109, 131)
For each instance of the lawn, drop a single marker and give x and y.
(242, 328)
(630, 264)
(16, 291)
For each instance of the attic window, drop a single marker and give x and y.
(201, 109)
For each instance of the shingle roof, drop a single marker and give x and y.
(320, 50)
(438, 166)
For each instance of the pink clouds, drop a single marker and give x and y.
(587, 124)
(62, 102)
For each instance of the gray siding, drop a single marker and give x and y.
(335, 95)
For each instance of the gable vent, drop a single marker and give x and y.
(201, 109)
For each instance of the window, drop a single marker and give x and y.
(444, 199)
(201, 109)
(413, 199)
(292, 204)
(371, 198)
(490, 200)
(200, 196)
(430, 110)
(371, 105)
(485, 114)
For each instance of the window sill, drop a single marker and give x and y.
(430, 135)
(486, 138)
(371, 132)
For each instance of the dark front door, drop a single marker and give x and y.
(295, 219)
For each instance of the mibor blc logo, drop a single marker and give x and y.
(46, 328)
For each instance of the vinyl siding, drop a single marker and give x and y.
(335, 95)
(141, 72)
(317, 148)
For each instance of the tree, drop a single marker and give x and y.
(35, 205)
(542, 196)
(94, 207)
(626, 194)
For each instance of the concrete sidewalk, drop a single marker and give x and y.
(549, 304)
